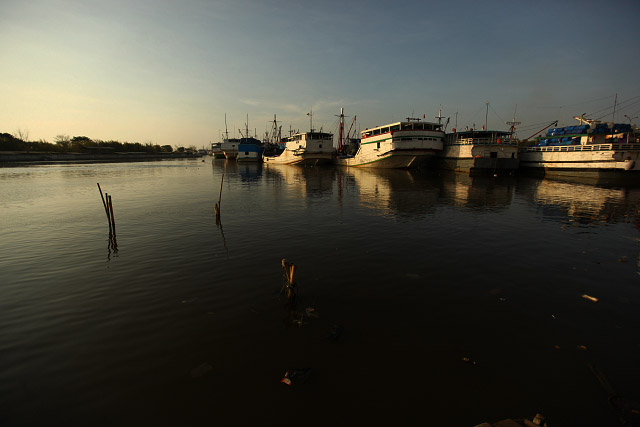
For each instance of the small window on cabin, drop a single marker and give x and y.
(246, 153)
(407, 126)
(384, 130)
(367, 134)
(428, 127)
(319, 145)
(376, 132)
(396, 127)
(378, 145)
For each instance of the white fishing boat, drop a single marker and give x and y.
(479, 151)
(396, 145)
(593, 149)
(306, 148)
(230, 148)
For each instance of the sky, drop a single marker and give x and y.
(167, 72)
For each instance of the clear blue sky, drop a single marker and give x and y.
(166, 72)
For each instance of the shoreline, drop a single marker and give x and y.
(10, 158)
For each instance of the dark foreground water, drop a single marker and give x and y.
(184, 324)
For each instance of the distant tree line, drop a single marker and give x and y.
(66, 144)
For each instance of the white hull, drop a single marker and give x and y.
(395, 159)
(289, 157)
(583, 158)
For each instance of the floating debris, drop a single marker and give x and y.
(289, 283)
(582, 347)
(589, 297)
(298, 375)
(554, 317)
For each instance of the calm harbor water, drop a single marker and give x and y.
(184, 324)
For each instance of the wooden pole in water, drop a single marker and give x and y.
(113, 219)
(106, 209)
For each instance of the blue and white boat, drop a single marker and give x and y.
(250, 150)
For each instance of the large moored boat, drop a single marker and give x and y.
(396, 145)
(593, 149)
(307, 148)
(478, 151)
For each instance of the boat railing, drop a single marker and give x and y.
(586, 147)
(484, 141)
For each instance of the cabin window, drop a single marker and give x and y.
(396, 127)
(513, 155)
(319, 145)
(376, 132)
(246, 153)
(494, 154)
(407, 126)
(367, 134)
(384, 130)
(378, 145)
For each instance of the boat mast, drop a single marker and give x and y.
(615, 101)
(226, 130)
(310, 114)
(486, 117)
(340, 139)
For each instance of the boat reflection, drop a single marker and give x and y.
(477, 192)
(302, 181)
(586, 204)
(392, 191)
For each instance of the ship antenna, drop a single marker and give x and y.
(439, 116)
(226, 130)
(513, 123)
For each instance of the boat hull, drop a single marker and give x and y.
(288, 157)
(395, 159)
(607, 162)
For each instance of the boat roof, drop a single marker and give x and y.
(475, 133)
(406, 123)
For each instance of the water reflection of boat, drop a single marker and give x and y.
(479, 151)
(391, 190)
(584, 203)
(477, 192)
(301, 181)
(249, 171)
(396, 145)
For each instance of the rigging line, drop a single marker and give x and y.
(501, 119)
(619, 109)
(611, 108)
(577, 103)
